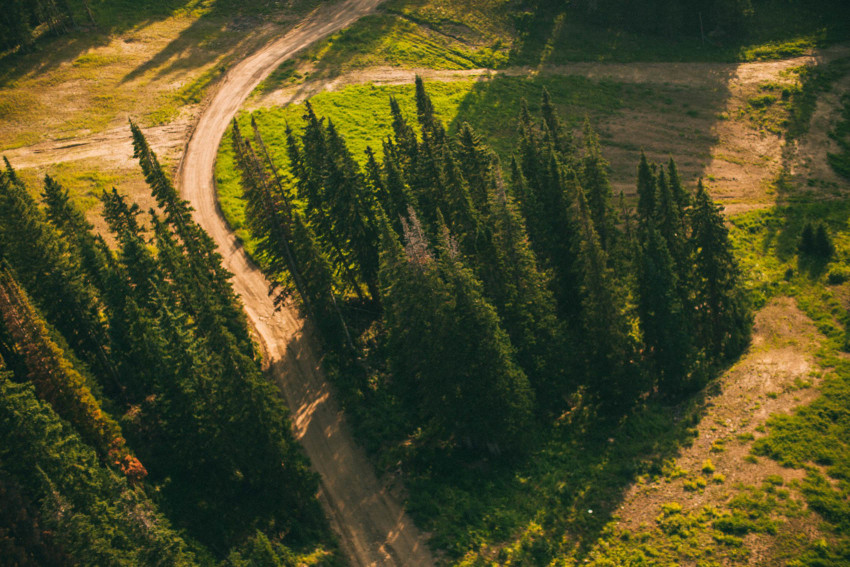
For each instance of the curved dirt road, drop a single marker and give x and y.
(373, 528)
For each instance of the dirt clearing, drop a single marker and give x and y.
(777, 374)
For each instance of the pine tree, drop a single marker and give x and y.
(91, 512)
(200, 251)
(682, 196)
(477, 163)
(670, 222)
(521, 293)
(72, 223)
(493, 403)
(593, 175)
(352, 207)
(546, 195)
(310, 164)
(58, 383)
(405, 139)
(646, 191)
(50, 271)
(562, 138)
(666, 333)
(447, 345)
(463, 216)
(724, 320)
(399, 197)
(605, 339)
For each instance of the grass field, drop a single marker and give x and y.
(150, 61)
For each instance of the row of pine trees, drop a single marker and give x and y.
(497, 301)
(136, 426)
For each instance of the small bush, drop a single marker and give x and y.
(838, 275)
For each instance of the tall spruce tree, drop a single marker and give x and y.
(56, 381)
(521, 294)
(468, 382)
(89, 511)
(201, 254)
(605, 338)
(646, 191)
(724, 320)
(666, 331)
(593, 175)
(51, 272)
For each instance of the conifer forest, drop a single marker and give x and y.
(424, 282)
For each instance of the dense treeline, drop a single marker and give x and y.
(715, 20)
(497, 300)
(19, 18)
(132, 404)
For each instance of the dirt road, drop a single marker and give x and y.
(373, 528)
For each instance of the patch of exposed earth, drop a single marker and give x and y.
(776, 375)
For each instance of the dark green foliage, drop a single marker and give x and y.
(664, 323)
(594, 179)
(51, 272)
(447, 345)
(188, 375)
(23, 540)
(43, 363)
(179, 364)
(723, 320)
(646, 190)
(77, 231)
(605, 340)
(286, 244)
(92, 514)
(540, 286)
(671, 17)
(211, 291)
(15, 24)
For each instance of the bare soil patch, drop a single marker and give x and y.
(777, 374)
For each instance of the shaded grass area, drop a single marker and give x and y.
(445, 34)
(840, 160)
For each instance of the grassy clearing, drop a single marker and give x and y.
(146, 60)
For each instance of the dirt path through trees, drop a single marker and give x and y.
(373, 528)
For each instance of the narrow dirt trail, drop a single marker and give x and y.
(372, 526)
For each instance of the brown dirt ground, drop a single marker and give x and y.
(776, 375)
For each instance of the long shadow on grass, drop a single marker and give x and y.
(571, 485)
(227, 22)
(112, 16)
(662, 120)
